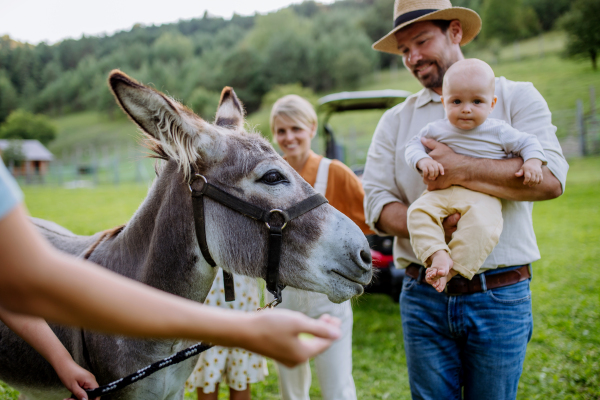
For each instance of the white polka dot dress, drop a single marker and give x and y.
(234, 367)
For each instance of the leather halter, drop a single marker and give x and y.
(275, 226)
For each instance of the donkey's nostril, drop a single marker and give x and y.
(366, 256)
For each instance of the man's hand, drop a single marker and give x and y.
(451, 163)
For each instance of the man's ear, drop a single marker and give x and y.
(455, 32)
(442, 99)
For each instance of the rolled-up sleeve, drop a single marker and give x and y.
(532, 115)
(379, 179)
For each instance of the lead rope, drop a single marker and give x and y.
(154, 367)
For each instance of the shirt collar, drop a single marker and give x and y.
(426, 96)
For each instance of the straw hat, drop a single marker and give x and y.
(407, 12)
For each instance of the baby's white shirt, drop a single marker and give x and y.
(494, 139)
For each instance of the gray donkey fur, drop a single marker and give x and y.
(323, 251)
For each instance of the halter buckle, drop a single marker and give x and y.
(286, 218)
(195, 178)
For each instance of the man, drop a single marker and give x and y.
(470, 341)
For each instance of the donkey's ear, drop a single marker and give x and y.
(172, 126)
(148, 107)
(230, 113)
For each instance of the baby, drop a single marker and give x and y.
(468, 98)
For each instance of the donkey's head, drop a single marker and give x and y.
(322, 250)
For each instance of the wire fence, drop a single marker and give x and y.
(88, 166)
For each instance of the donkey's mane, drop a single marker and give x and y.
(183, 149)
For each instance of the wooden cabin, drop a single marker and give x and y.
(36, 158)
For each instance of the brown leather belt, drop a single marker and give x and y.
(460, 285)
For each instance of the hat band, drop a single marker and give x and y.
(409, 16)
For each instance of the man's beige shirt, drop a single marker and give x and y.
(388, 178)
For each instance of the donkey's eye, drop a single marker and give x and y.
(273, 178)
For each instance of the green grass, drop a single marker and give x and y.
(563, 358)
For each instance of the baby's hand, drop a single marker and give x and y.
(532, 172)
(431, 169)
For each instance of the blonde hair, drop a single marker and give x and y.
(295, 108)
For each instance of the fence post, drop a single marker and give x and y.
(116, 166)
(94, 165)
(593, 122)
(581, 126)
(59, 170)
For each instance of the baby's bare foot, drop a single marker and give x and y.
(437, 273)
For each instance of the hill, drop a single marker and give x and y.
(561, 82)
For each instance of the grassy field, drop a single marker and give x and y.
(563, 358)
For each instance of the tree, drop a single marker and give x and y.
(13, 154)
(508, 20)
(350, 67)
(548, 11)
(582, 24)
(204, 103)
(21, 124)
(173, 46)
(8, 96)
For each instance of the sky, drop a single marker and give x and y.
(34, 21)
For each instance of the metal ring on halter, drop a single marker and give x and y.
(283, 214)
(198, 176)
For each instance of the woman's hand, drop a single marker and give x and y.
(276, 334)
(76, 378)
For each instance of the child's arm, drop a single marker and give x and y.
(430, 168)
(38, 334)
(532, 172)
(415, 151)
(529, 148)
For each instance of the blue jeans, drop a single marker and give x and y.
(465, 347)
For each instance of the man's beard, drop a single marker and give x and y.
(434, 79)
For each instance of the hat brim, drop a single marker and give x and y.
(469, 20)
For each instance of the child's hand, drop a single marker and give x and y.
(76, 378)
(431, 169)
(532, 172)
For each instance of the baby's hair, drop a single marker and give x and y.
(295, 108)
(470, 66)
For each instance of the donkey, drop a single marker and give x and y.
(322, 250)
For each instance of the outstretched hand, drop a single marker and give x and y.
(279, 335)
(450, 161)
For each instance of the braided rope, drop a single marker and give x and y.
(147, 371)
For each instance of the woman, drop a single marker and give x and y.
(294, 125)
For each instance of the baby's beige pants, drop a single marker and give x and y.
(477, 232)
